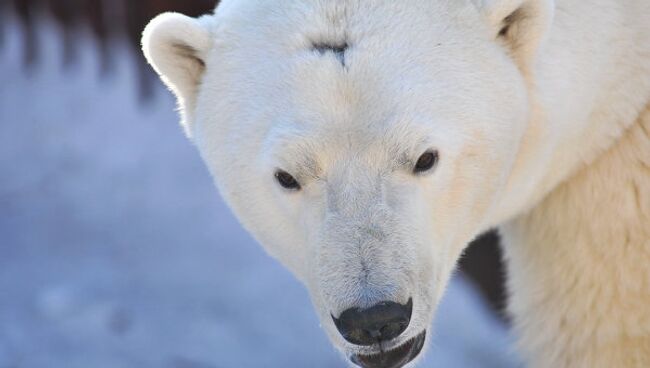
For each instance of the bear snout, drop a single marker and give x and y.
(382, 322)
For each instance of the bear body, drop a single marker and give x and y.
(579, 271)
(364, 143)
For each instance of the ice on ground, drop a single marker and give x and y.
(116, 250)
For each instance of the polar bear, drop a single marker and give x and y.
(364, 143)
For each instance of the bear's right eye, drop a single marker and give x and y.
(286, 180)
(426, 162)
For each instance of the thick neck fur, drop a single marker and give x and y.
(578, 263)
(578, 258)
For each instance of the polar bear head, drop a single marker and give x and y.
(363, 143)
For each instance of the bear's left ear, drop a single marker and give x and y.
(521, 25)
(177, 47)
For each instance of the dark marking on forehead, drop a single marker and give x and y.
(338, 49)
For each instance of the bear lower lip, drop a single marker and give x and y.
(394, 358)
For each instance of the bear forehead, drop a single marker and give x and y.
(363, 44)
(333, 24)
(364, 68)
(367, 45)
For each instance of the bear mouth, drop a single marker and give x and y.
(394, 358)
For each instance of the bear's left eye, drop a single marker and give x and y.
(426, 162)
(286, 180)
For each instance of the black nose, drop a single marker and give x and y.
(381, 322)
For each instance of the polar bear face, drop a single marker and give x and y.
(362, 144)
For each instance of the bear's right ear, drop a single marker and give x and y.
(177, 46)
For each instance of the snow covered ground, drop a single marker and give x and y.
(116, 250)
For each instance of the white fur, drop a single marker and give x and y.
(528, 124)
(178, 44)
(580, 263)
